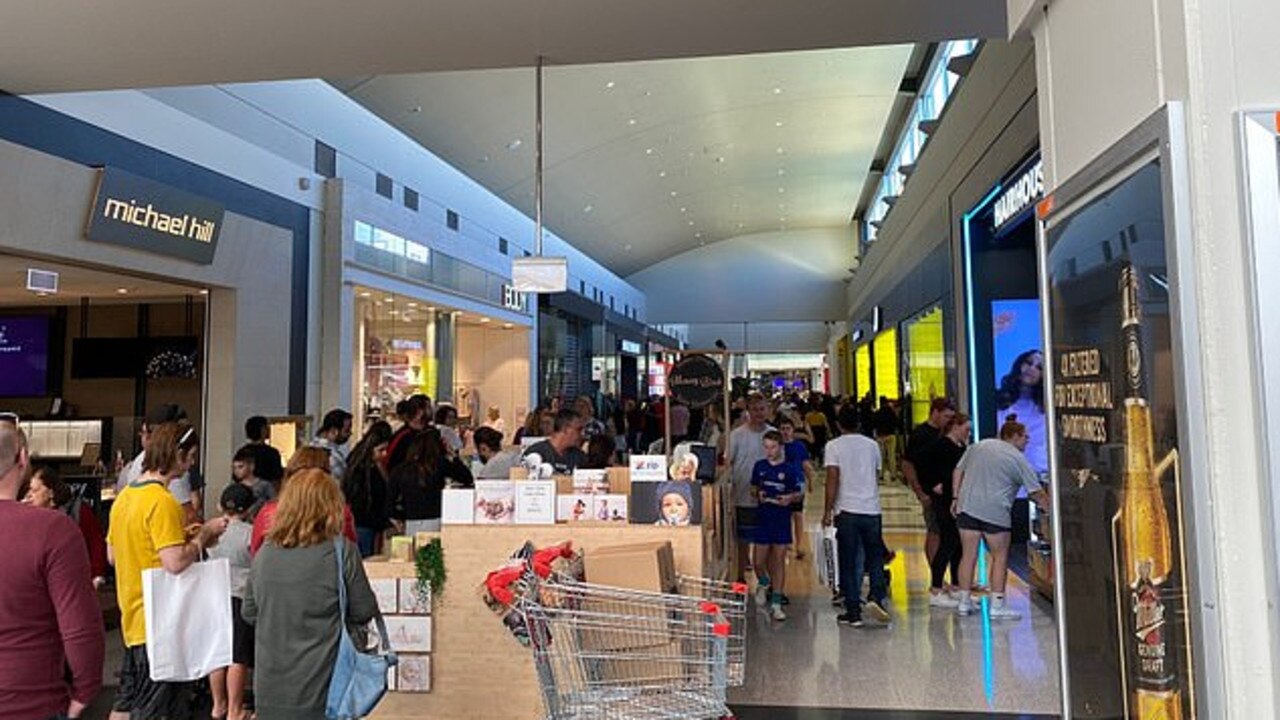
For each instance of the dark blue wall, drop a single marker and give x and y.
(34, 126)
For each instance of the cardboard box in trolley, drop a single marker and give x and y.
(647, 567)
(657, 666)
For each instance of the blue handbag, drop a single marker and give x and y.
(359, 679)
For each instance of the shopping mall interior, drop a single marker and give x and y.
(1053, 214)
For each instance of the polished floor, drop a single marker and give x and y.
(925, 661)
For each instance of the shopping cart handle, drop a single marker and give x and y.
(740, 588)
(721, 629)
(710, 608)
(499, 583)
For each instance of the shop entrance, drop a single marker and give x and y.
(85, 353)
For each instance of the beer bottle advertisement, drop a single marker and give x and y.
(1119, 483)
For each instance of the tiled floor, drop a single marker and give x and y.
(927, 660)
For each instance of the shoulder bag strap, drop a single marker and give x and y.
(339, 546)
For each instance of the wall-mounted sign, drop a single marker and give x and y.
(696, 380)
(142, 214)
(631, 347)
(1020, 193)
(513, 299)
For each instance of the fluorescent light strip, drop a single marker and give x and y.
(968, 301)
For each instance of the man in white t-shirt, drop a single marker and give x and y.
(746, 448)
(853, 506)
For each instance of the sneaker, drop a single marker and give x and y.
(847, 619)
(964, 607)
(877, 611)
(775, 612)
(762, 595)
(943, 600)
(1001, 611)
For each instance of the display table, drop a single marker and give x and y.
(478, 669)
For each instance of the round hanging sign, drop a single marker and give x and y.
(696, 380)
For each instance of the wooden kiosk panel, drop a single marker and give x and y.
(479, 670)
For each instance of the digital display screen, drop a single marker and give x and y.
(24, 356)
(1016, 345)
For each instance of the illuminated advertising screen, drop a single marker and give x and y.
(1016, 346)
(1119, 457)
(926, 362)
(885, 348)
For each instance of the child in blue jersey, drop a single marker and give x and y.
(776, 484)
(796, 451)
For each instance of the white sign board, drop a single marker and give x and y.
(540, 274)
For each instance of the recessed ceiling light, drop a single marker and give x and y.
(609, 85)
(631, 121)
(719, 159)
(515, 144)
(697, 235)
(690, 223)
(780, 151)
(588, 208)
(674, 193)
(777, 91)
(781, 171)
(648, 151)
(778, 124)
(508, 326)
(782, 219)
(740, 226)
(662, 173)
(122, 291)
(647, 93)
(782, 190)
(684, 210)
(484, 320)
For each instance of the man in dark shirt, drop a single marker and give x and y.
(563, 450)
(941, 410)
(50, 622)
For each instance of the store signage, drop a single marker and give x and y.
(631, 347)
(696, 380)
(142, 214)
(513, 299)
(1020, 194)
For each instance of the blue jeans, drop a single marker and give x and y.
(364, 538)
(860, 549)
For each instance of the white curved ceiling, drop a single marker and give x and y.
(647, 160)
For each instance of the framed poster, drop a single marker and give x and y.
(1123, 431)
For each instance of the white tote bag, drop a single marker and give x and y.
(826, 559)
(188, 619)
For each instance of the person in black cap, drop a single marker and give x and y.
(228, 684)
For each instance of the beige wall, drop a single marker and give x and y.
(496, 361)
(1103, 66)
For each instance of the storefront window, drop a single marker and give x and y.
(397, 340)
(862, 364)
(926, 362)
(886, 354)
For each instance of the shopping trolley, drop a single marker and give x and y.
(614, 654)
(732, 600)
